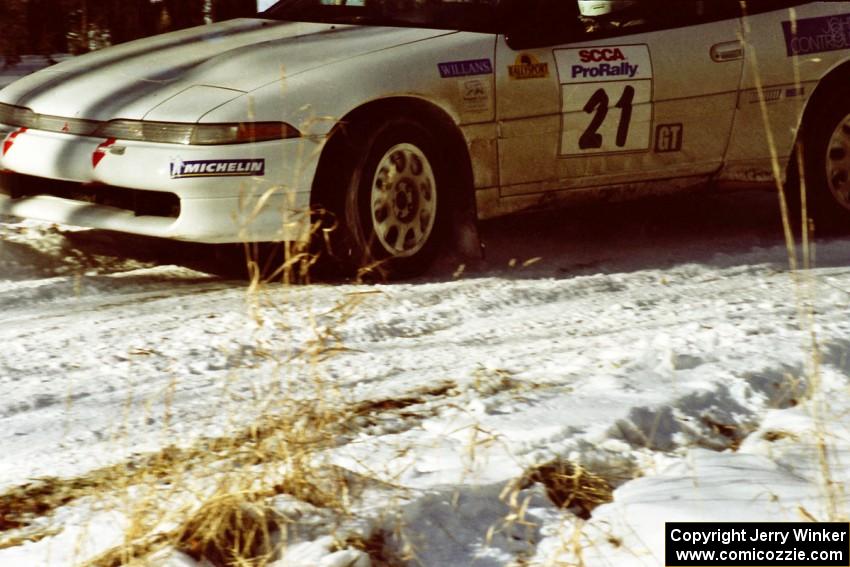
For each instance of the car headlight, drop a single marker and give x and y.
(196, 134)
(148, 131)
(26, 118)
(16, 116)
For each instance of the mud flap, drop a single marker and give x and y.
(464, 240)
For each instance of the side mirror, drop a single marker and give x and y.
(539, 23)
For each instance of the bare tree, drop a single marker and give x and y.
(13, 16)
(228, 9)
(185, 13)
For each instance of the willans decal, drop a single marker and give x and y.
(466, 68)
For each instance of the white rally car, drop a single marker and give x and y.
(406, 120)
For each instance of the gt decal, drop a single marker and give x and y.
(606, 97)
(669, 138)
(465, 68)
(10, 140)
(527, 66)
(817, 35)
(218, 168)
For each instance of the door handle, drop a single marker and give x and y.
(727, 51)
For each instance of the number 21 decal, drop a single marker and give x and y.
(606, 99)
(606, 118)
(598, 104)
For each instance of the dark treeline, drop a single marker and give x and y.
(76, 26)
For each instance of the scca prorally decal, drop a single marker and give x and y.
(218, 168)
(466, 68)
(606, 62)
(816, 35)
(595, 64)
(606, 100)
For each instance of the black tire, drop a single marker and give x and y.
(826, 162)
(393, 215)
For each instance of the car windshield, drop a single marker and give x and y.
(463, 15)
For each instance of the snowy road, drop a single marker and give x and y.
(662, 347)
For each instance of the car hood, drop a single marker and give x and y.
(226, 59)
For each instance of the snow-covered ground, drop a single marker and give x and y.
(663, 349)
(657, 359)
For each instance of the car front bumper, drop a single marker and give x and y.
(214, 194)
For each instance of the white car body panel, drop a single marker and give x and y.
(699, 99)
(693, 96)
(130, 80)
(214, 209)
(787, 83)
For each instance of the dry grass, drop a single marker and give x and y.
(571, 486)
(805, 284)
(234, 524)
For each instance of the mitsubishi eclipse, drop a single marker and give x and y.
(392, 126)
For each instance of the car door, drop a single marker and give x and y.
(644, 94)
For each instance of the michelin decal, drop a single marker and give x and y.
(218, 168)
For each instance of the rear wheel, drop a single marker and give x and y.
(826, 160)
(393, 211)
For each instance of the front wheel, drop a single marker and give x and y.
(395, 201)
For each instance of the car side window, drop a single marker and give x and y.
(758, 6)
(625, 17)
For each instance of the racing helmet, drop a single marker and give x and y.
(594, 8)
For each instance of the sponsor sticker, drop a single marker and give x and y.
(606, 99)
(607, 63)
(669, 137)
(466, 68)
(475, 94)
(100, 152)
(527, 66)
(218, 168)
(817, 35)
(10, 140)
(766, 95)
(771, 95)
